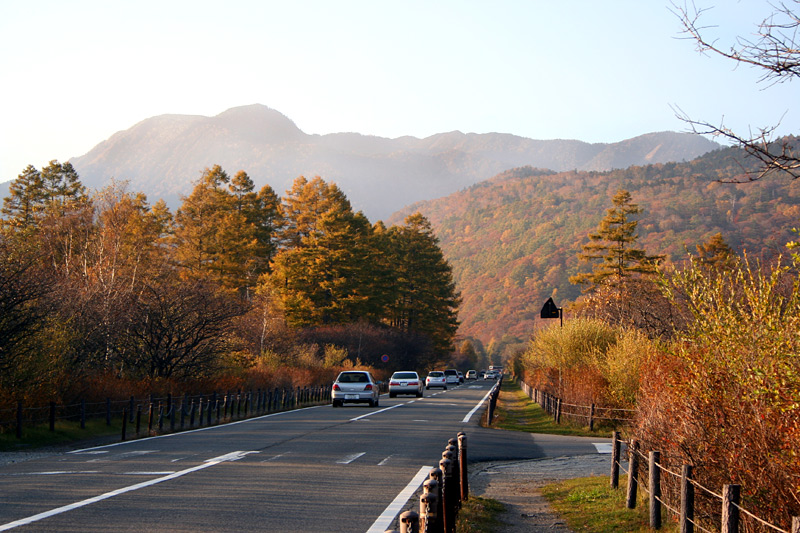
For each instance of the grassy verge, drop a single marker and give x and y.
(590, 504)
(516, 412)
(66, 432)
(479, 515)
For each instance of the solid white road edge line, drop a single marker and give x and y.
(469, 415)
(385, 519)
(233, 456)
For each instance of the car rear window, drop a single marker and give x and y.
(352, 377)
(436, 374)
(404, 375)
(451, 372)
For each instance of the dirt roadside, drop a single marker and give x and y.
(517, 485)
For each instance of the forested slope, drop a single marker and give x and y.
(513, 240)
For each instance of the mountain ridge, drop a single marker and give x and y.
(163, 155)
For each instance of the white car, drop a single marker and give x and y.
(406, 382)
(435, 379)
(355, 386)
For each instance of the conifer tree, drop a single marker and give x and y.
(25, 200)
(426, 297)
(214, 238)
(611, 248)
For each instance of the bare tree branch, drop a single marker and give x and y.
(776, 50)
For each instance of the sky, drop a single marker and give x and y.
(74, 73)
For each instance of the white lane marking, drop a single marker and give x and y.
(275, 457)
(57, 473)
(603, 447)
(349, 458)
(165, 473)
(385, 460)
(233, 456)
(207, 428)
(385, 519)
(469, 415)
(91, 453)
(376, 412)
(126, 455)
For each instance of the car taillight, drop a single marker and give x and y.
(412, 383)
(336, 386)
(368, 387)
(394, 384)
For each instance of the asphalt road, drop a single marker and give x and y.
(316, 469)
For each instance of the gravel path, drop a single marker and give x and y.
(517, 485)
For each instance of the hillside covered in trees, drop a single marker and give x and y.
(514, 240)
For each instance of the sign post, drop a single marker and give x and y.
(550, 310)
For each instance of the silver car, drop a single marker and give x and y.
(405, 382)
(355, 386)
(435, 379)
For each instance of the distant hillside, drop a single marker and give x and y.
(513, 240)
(163, 155)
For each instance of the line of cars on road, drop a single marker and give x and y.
(359, 386)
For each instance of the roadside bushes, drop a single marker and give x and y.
(724, 395)
(588, 361)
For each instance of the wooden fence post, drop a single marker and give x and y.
(687, 500)
(654, 473)
(462, 462)
(730, 509)
(615, 447)
(633, 474)
(591, 418)
(558, 411)
(138, 418)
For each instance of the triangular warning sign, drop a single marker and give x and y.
(550, 310)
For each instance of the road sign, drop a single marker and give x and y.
(549, 310)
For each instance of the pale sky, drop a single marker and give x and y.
(75, 72)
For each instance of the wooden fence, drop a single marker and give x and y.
(589, 413)
(680, 496)
(167, 413)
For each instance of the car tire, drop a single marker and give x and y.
(378, 402)
(419, 394)
(427, 388)
(337, 403)
(392, 395)
(445, 387)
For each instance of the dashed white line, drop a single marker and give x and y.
(375, 412)
(349, 458)
(386, 460)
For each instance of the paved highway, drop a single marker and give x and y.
(314, 469)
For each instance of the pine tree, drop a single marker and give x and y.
(427, 300)
(611, 248)
(214, 238)
(25, 200)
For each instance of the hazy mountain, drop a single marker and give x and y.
(163, 155)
